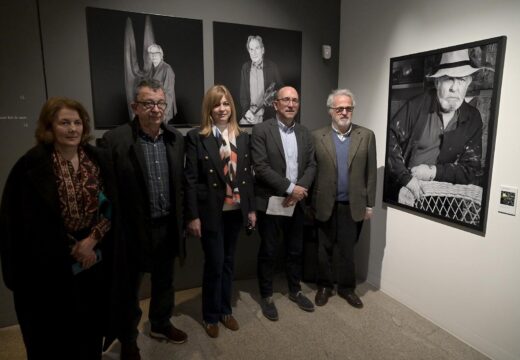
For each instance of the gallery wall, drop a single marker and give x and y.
(466, 283)
(46, 42)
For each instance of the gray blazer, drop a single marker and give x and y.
(269, 161)
(362, 172)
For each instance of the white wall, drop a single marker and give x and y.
(466, 283)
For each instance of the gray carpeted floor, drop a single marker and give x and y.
(383, 329)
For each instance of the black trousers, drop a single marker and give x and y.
(63, 318)
(160, 265)
(341, 231)
(269, 228)
(219, 259)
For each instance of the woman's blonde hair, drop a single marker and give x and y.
(48, 113)
(212, 99)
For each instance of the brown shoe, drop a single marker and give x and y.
(230, 322)
(130, 351)
(171, 334)
(211, 330)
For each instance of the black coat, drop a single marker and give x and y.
(130, 172)
(205, 185)
(33, 243)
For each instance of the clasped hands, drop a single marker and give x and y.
(83, 252)
(299, 193)
(420, 172)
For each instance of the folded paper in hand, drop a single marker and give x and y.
(275, 207)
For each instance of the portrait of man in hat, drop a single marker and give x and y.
(436, 135)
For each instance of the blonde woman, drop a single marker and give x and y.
(219, 200)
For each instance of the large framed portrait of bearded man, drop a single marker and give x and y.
(442, 116)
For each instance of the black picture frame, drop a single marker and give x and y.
(182, 45)
(459, 192)
(283, 50)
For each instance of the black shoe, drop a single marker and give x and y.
(171, 334)
(322, 296)
(269, 309)
(303, 302)
(351, 297)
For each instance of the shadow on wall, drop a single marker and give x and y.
(370, 249)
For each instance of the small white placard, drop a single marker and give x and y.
(507, 200)
(275, 207)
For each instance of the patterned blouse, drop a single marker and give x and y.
(79, 195)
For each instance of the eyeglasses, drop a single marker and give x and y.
(149, 105)
(287, 100)
(340, 109)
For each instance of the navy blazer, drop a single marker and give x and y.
(205, 186)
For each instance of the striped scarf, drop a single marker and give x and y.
(228, 154)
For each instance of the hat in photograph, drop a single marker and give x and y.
(454, 64)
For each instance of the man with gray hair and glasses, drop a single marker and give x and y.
(259, 81)
(343, 195)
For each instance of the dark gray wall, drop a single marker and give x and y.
(65, 60)
(22, 93)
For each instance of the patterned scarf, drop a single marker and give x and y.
(228, 154)
(78, 191)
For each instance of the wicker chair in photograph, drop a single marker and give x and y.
(457, 202)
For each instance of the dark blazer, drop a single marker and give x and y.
(205, 186)
(362, 172)
(271, 74)
(130, 171)
(33, 243)
(269, 161)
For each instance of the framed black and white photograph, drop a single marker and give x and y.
(254, 62)
(126, 47)
(442, 116)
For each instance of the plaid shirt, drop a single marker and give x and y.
(157, 174)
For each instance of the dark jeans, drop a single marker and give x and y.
(62, 319)
(163, 294)
(343, 231)
(269, 227)
(219, 253)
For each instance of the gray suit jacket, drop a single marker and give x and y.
(269, 161)
(362, 172)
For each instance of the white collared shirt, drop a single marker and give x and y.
(342, 136)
